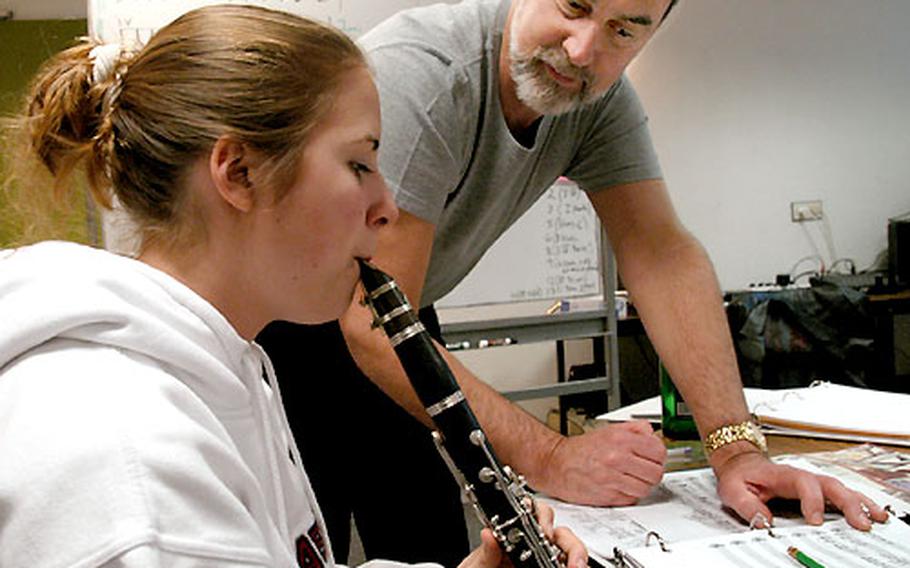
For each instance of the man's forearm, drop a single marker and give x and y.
(518, 438)
(682, 310)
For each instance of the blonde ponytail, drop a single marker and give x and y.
(68, 123)
(56, 133)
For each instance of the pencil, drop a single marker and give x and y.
(802, 558)
(679, 454)
(679, 451)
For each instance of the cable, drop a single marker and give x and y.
(828, 237)
(818, 253)
(843, 260)
(804, 273)
(815, 257)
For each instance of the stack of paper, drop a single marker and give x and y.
(649, 409)
(823, 410)
(840, 412)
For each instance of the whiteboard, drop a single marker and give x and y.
(552, 252)
(127, 21)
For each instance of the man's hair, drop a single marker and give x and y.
(670, 7)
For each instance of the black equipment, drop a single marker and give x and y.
(899, 251)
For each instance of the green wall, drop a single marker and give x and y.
(24, 45)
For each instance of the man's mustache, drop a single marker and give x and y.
(556, 59)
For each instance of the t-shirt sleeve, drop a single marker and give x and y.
(424, 129)
(617, 147)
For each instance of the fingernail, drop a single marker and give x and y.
(817, 519)
(759, 521)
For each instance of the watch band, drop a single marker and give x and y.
(747, 431)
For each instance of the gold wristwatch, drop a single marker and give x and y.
(744, 431)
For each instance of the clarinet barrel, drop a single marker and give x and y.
(498, 494)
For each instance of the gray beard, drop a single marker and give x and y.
(535, 88)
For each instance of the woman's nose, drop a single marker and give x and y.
(384, 210)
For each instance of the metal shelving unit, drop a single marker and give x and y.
(598, 325)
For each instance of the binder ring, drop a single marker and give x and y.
(660, 541)
(759, 521)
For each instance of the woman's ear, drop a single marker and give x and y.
(230, 165)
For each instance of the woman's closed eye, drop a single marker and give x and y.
(360, 168)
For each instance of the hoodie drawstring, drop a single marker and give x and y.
(261, 407)
(272, 380)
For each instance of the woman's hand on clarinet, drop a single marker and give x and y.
(490, 555)
(575, 554)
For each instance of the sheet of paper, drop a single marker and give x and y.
(888, 469)
(846, 409)
(649, 408)
(683, 507)
(827, 410)
(833, 544)
(771, 429)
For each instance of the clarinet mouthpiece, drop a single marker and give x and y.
(371, 277)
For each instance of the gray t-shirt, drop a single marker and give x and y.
(447, 153)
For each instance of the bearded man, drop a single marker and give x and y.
(485, 104)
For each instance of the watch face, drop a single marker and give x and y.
(759, 440)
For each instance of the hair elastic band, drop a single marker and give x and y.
(104, 60)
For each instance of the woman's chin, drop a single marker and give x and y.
(324, 307)
(330, 298)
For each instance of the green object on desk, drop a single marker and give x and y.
(675, 420)
(802, 558)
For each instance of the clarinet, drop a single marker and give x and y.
(496, 493)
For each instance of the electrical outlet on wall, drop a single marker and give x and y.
(806, 211)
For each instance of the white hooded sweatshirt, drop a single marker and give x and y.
(135, 425)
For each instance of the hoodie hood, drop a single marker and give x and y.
(57, 291)
(68, 291)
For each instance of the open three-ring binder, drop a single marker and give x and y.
(683, 523)
(834, 543)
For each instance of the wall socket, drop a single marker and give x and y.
(806, 211)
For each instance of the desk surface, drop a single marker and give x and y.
(780, 445)
(901, 296)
